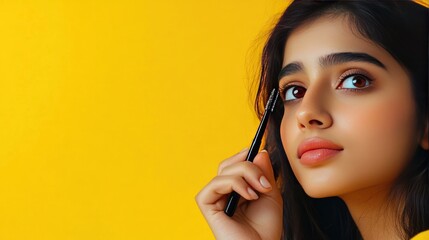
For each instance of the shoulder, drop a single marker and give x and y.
(422, 236)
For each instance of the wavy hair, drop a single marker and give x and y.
(401, 28)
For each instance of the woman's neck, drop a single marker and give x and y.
(372, 212)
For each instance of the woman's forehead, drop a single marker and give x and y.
(326, 35)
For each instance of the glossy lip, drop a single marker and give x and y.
(315, 150)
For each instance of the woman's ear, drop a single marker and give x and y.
(424, 142)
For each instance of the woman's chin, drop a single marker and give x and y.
(319, 193)
(325, 190)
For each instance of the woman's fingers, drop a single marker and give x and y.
(223, 185)
(251, 181)
(251, 173)
(240, 176)
(239, 157)
(262, 160)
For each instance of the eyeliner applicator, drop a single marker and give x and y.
(233, 198)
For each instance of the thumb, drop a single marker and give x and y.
(262, 160)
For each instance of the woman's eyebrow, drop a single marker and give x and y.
(290, 69)
(332, 59)
(343, 57)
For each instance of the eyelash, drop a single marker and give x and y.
(342, 78)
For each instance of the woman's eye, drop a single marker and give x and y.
(294, 92)
(355, 81)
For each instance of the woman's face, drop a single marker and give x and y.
(349, 119)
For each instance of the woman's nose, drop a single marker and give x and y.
(313, 112)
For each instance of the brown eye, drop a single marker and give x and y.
(356, 81)
(294, 92)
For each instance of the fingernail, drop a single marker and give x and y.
(252, 193)
(264, 182)
(264, 150)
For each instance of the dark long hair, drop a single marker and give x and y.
(401, 28)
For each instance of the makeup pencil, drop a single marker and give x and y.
(233, 198)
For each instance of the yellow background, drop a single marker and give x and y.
(114, 114)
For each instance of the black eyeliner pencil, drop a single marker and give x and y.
(232, 201)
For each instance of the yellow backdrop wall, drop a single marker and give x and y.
(114, 114)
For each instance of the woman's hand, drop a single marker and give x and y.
(260, 209)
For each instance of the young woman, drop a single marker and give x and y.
(347, 151)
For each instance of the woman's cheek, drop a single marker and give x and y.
(289, 132)
(379, 136)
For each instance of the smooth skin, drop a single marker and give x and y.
(258, 215)
(367, 109)
(374, 123)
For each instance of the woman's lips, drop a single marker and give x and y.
(315, 150)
